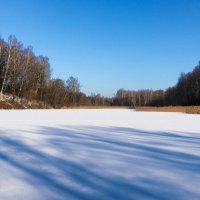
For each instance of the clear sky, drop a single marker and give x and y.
(109, 44)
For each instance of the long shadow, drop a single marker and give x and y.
(84, 166)
(87, 137)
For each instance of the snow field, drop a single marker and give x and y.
(98, 154)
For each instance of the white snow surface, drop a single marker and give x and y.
(99, 154)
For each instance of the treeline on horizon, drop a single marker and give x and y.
(25, 75)
(185, 93)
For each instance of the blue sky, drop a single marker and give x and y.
(109, 44)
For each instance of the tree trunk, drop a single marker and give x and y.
(5, 75)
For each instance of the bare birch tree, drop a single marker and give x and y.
(6, 67)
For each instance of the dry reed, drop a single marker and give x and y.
(184, 109)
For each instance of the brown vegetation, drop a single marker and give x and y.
(193, 110)
(96, 107)
(185, 109)
(10, 104)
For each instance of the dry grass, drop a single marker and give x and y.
(10, 104)
(5, 105)
(96, 107)
(193, 109)
(185, 109)
(162, 109)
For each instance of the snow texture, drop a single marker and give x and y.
(99, 154)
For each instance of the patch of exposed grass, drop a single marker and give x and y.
(185, 109)
(5, 105)
(162, 109)
(193, 109)
(10, 104)
(96, 107)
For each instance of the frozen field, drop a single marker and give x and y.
(99, 154)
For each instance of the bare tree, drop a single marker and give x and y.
(7, 66)
(73, 84)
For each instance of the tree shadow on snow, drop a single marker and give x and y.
(90, 162)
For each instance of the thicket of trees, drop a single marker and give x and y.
(186, 92)
(21, 72)
(25, 75)
(138, 98)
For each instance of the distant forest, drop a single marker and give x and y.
(185, 93)
(25, 75)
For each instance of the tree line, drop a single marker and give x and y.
(25, 75)
(185, 93)
(21, 72)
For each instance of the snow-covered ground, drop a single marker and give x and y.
(98, 154)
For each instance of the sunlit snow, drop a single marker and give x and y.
(98, 154)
